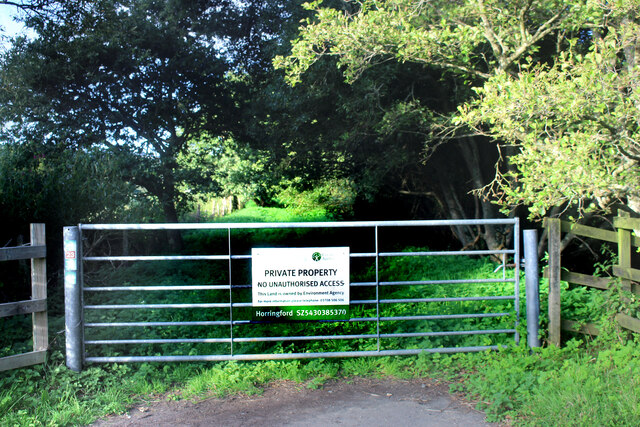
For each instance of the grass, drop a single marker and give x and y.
(584, 383)
(569, 386)
(254, 213)
(576, 385)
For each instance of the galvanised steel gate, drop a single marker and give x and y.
(139, 308)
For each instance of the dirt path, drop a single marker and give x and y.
(357, 402)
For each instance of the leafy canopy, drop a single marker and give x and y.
(575, 124)
(473, 37)
(556, 80)
(139, 77)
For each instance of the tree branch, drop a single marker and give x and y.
(541, 32)
(493, 39)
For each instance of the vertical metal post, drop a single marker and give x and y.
(230, 292)
(532, 286)
(73, 298)
(377, 287)
(516, 262)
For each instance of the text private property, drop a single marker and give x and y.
(302, 272)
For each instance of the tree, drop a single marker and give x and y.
(473, 37)
(28, 5)
(465, 42)
(58, 188)
(575, 124)
(140, 78)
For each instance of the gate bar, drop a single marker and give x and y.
(257, 225)
(129, 258)
(226, 287)
(287, 356)
(299, 338)
(248, 304)
(353, 319)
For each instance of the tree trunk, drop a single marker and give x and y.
(174, 237)
(456, 178)
(471, 155)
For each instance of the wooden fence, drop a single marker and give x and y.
(36, 252)
(625, 240)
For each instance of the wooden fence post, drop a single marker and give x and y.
(624, 250)
(554, 239)
(39, 289)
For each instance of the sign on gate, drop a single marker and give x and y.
(300, 284)
(70, 263)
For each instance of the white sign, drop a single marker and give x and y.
(300, 276)
(70, 262)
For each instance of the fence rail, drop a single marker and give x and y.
(89, 323)
(625, 240)
(37, 305)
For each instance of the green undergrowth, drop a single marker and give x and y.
(254, 213)
(580, 384)
(577, 385)
(398, 268)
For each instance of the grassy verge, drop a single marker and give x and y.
(576, 385)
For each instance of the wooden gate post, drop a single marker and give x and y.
(554, 239)
(36, 251)
(39, 289)
(624, 250)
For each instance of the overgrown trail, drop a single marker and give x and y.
(357, 402)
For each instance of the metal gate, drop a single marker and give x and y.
(123, 307)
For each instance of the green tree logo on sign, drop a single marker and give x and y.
(317, 256)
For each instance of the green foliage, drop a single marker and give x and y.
(550, 386)
(44, 184)
(233, 377)
(254, 213)
(588, 389)
(509, 376)
(555, 80)
(336, 197)
(366, 134)
(573, 124)
(234, 169)
(137, 78)
(456, 45)
(58, 187)
(469, 38)
(53, 393)
(15, 329)
(579, 384)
